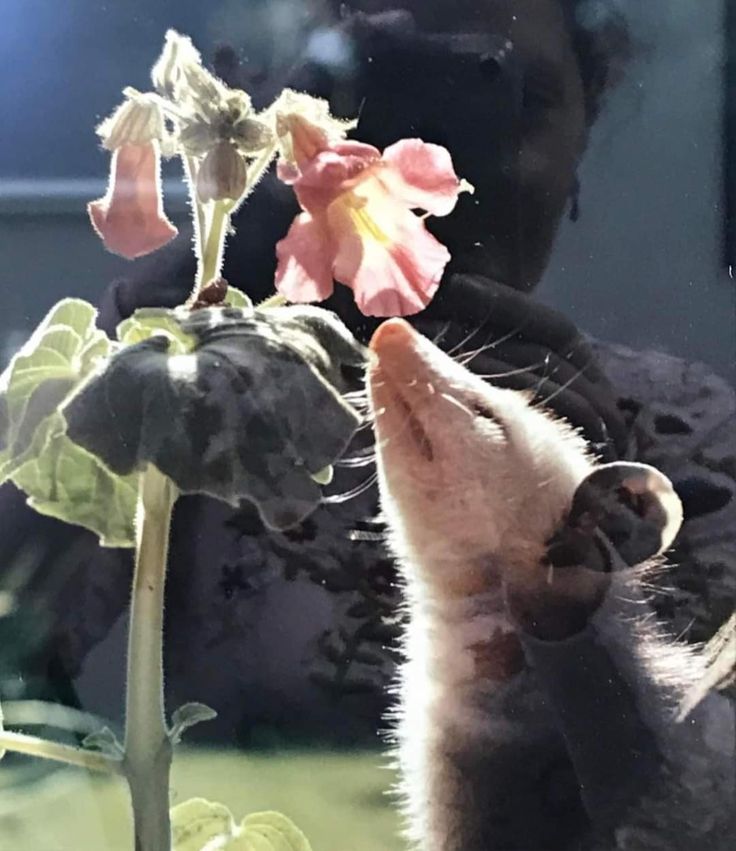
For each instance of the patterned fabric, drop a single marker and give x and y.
(682, 420)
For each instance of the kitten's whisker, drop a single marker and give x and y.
(336, 499)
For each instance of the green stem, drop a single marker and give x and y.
(210, 258)
(198, 222)
(215, 244)
(147, 746)
(34, 746)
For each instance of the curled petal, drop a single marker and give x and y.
(130, 219)
(420, 175)
(304, 270)
(333, 172)
(394, 269)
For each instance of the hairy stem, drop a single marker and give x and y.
(198, 218)
(34, 746)
(147, 746)
(212, 245)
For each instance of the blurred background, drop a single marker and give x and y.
(644, 265)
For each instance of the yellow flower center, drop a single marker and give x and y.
(365, 225)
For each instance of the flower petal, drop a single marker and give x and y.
(333, 172)
(130, 219)
(304, 270)
(420, 175)
(394, 269)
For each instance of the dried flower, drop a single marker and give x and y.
(358, 226)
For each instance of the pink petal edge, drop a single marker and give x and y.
(421, 175)
(304, 270)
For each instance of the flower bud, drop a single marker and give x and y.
(167, 73)
(222, 174)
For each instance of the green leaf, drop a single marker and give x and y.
(157, 322)
(187, 716)
(237, 298)
(198, 822)
(106, 741)
(60, 478)
(324, 476)
(283, 834)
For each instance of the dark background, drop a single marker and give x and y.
(644, 265)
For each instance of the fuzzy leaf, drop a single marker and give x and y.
(197, 823)
(280, 831)
(150, 322)
(106, 741)
(187, 716)
(237, 298)
(252, 411)
(61, 479)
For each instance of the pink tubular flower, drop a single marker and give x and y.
(357, 224)
(130, 218)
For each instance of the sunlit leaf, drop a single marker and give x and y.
(156, 322)
(187, 716)
(60, 478)
(280, 831)
(325, 475)
(197, 823)
(237, 298)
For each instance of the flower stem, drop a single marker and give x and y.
(147, 748)
(34, 746)
(211, 243)
(198, 221)
(215, 244)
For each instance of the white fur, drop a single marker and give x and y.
(471, 502)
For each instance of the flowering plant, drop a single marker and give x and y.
(215, 396)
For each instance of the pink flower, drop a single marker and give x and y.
(130, 218)
(358, 226)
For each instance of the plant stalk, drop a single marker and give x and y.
(35, 746)
(210, 244)
(147, 747)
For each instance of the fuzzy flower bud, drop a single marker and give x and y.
(167, 74)
(222, 174)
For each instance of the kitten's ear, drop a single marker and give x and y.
(634, 505)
